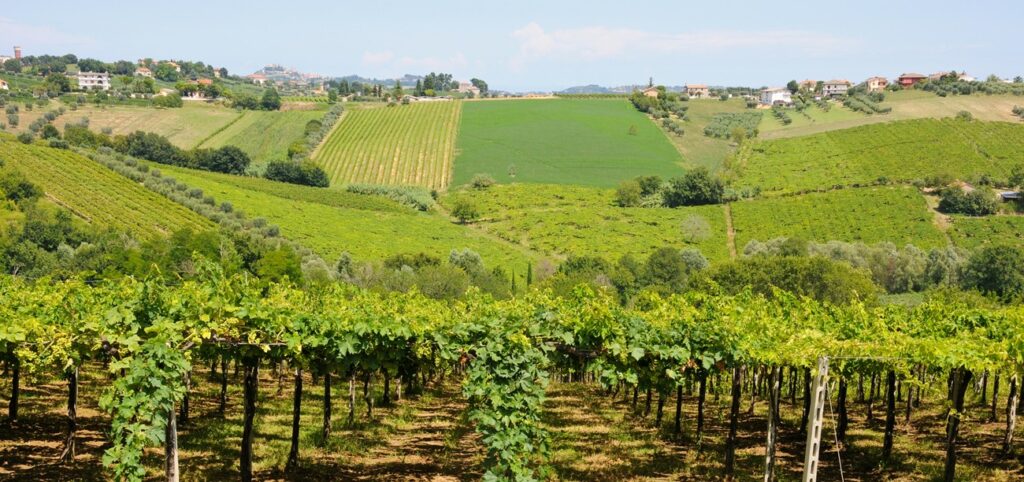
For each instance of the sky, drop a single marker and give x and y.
(543, 45)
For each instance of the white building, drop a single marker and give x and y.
(93, 80)
(776, 96)
(468, 88)
(833, 88)
(3, 85)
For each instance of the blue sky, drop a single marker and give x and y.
(537, 45)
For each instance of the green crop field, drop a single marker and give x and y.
(970, 233)
(185, 126)
(560, 220)
(97, 194)
(404, 144)
(264, 136)
(561, 141)
(902, 151)
(815, 119)
(330, 222)
(698, 149)
(869, 215)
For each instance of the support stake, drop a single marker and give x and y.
(814, 422)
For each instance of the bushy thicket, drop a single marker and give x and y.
(302, 172)
(979, 202)
(157, 148)
(723, 124)
(950, 84)
(696, 187)
(415, 197)
(663, 106)
(315, 132)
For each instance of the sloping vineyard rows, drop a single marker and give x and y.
(405, 145)
(150, 335)
(98, 194)
(898, 151)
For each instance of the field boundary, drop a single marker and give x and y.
(337, 124)
(220, 129)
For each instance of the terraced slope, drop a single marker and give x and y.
(403, 144)
(96, 194)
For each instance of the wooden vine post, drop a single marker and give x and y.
(819, 385)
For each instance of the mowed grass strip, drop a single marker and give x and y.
(870, 215)
(97, 194)
(592, 142)
(560, 221)
(898, 151)
(331, 222)
(402, 145)
(264, 135)
(184, 127)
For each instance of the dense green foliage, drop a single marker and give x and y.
(978, 202)
(562, 141)
(304, 173)
(695, 188)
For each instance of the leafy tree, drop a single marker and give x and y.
(481, 181)
(15, 187)
(49, 132)
(696, 187)
(465, 211)
(305, 173)
(667, 269)
(58, 83)
(997, 270)
(169, 101)
(1017, 176)
(480, 85)
(818, 278)
(792, 86)
(332, 96)
(396, 91)
(649, 185)
(975, 203)
(227, 159)
(13, 66)
(271, 100)
(278, 264)
(628, 194)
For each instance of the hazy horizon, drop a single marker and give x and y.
(538, 46)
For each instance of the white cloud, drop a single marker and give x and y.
(598, 42)
(34, 37)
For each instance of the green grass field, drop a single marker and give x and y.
(560, 141)
(815, 119)
(404, 144)
(900, 151)
(560, 220)
(96, 194)
(869, 215)
(264, 136)
(330, 222)
(697, 149)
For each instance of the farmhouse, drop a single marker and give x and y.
(174, 65)
(204, 82)
(963, 77)
(651, 91)
(468, 88)
(258, 79)
(833, 88)
(876, 84)
(776, 96)
(3, 85)
(93, 80)
(697, 91)
(143, 72)
(808, 85)
(909, 79)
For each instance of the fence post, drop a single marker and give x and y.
(814, 421)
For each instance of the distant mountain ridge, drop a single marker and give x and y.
(622, 89)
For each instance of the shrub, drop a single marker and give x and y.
(481, 181)
(302, 172)
(414, 197)
(975, 203)
(465, 211)
(697, 187)
(25, 138)
(628, 194)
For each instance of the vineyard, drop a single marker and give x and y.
(570, 220)
(96, 194)
(404, 144)
(319, 99)
(331, 222)
(151, 340)
(264, 135)
(868, 215)
(971, 232)
(899, 151)
(591, 142)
